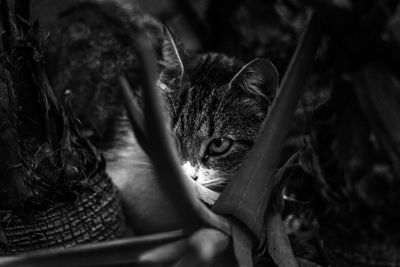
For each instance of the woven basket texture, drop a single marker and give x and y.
(95, 216)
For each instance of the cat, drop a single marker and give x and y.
(215, 104)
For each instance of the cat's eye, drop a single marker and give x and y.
(219, 146)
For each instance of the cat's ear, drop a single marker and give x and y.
(258, 77)
(171, 54)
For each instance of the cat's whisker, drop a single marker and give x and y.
(222, 104)
(205, 194)
(223, 101)
(169, 95)
(217, 178)
(217, 184)
(217, 188)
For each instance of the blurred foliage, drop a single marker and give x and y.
(53, 161)
(263, 29)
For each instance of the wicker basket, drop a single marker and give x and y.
(95, 216)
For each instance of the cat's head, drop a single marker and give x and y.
(216, 105)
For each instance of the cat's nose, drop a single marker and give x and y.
(194, 177)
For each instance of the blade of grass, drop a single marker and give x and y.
(247, 195)
(112, 253)
(278, 242)
(135, 114)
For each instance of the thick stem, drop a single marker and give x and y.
(112, 253)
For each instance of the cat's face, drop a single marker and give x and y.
(216, 106)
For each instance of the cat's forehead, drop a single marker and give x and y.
(205, 72)
(212, 69)
(203, 112)
(201, 105)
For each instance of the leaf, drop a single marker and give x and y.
(247, 196)
(278, 242)
(112, 253)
